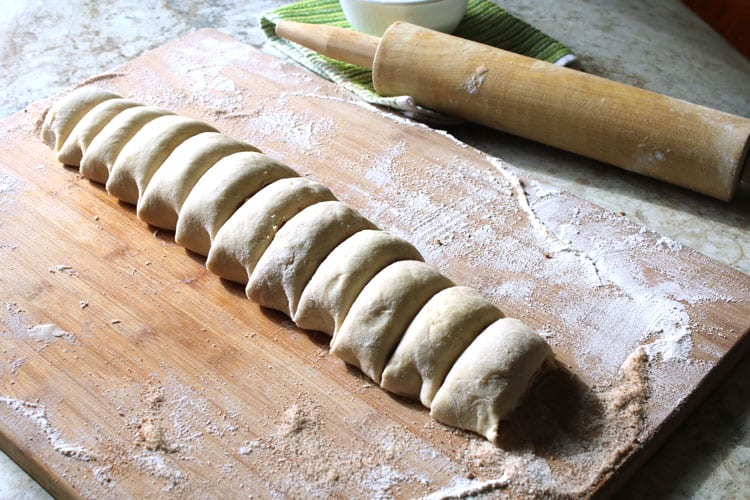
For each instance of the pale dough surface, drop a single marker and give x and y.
(437, 336)
(86, 129)
(302, 252)
(165, 193)
(243, 238)
(66, 113)
(329, 294)
(487, 381)
(381, 313)
(100, 156)
(220, 192)
(145, 152)
(298, 249)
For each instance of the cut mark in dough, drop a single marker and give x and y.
(437, 336)
(100, 156)
(88, 127)
(329, 294)
(220, 192)
(243, 238)
(165, 193)
(63, 116)
(145, 152)
(298, 249)
(381, 313)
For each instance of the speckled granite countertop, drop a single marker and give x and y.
(660, 45)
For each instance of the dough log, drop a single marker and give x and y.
(301, 251)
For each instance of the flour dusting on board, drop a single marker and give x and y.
(37, 413)
(9, 187)
(48, 332)
(445, 232)
(299, 131)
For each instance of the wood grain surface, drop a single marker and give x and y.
(128, 370)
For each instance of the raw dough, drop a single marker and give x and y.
(220, 192)
(144, 153)
(487, 381)
(86, 129)
(63, 116)
(338, 280)
(381, 312)
(100, 156)
(298, 249)
(245, 236)
(303, 252)
(437, 336)
(169, 186)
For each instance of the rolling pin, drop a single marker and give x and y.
(675, 141)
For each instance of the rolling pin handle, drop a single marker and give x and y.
(337, 43)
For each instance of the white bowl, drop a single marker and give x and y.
(374, 16)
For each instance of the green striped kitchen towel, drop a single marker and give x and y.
(483, 22)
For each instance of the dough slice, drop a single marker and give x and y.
(218, 194)
(380, 314)
(243, 238)
(86, 129)
(101, 154)
(437, 336)
(298, 249)
(146, 151)
(172, 182)
(487, 381)
(341, 276)
(63, 116)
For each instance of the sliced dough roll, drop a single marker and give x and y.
(162, 199)
(303, 252)
(381, 312)
(100, 155)
(86, 129)
(220, 192)
(63, 116)
(487, 381)
(243, 238)
(298, 249)
(341, 276)
(146, 151)
(437, 336)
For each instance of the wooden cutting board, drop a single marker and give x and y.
(128, 370)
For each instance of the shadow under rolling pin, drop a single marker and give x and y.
(675, 141)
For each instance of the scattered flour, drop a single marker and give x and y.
(37, 413)
(9, 187)
(48, 332)
(475, 81)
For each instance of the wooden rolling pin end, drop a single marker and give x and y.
(685, 144)
(338, 43)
